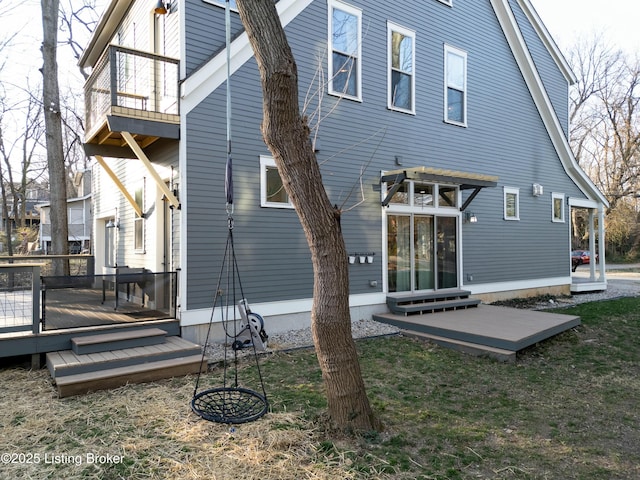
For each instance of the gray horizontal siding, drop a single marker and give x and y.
(553, 79)
(205, 31)
(505, 137)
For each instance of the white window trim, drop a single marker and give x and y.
(335, 4)
(267, 161)
(511, 190)
(554, 197)
(449, 49)
(447, 2)
(220, 3)
(392, 27)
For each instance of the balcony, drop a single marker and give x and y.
(130, 91)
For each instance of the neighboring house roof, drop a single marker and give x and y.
(69, 200)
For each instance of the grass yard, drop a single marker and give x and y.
(568, 409)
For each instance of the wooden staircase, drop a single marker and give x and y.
(109, 360)
(430, 302)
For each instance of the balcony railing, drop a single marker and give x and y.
(132, 82)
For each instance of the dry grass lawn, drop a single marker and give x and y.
(568, 409)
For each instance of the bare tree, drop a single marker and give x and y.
(605, 128)
(286, 133)
(53, 129)
(78, 22)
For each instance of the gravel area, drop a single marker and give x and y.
(294, 339)
(623, 286)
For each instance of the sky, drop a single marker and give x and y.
(617, 20)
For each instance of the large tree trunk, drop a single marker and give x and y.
(287, 136)
(53, 131)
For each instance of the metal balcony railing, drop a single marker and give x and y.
(139, 83)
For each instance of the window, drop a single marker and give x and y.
(232, 3)
(345, 50)
(511, 203)
(401, 78)
(557, 202)
(138, 221)
(272, 192)
(75, 215)
(455, 68)
(423, 195)
(447, 196)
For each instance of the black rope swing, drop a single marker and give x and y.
(231, 403)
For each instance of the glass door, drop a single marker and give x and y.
(447, 252)
(399, 253)
(423, 268)
(421, 252)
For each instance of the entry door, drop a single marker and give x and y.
(421, 252)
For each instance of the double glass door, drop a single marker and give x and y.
(421, 252)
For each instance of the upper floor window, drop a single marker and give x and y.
(222, 3)
(557, 207)
(455, 79)
(272, 192)
(401, 77)
(511, 203)
(345, 50)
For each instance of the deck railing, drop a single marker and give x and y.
(78, 264)
(128, 295)
(133, 80)
(19, 297)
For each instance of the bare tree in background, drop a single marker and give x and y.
(605, 129)
(78, 23)
(286, 133)
(53, 129)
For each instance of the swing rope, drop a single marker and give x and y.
(230, 404)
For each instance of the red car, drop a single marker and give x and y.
(580, 257)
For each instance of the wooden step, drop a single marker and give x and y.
(432, 307)
(475, 349)
(105, 342)
(67, 362)
(115, 377)
(409, 298)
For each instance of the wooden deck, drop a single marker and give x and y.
(73, 308)
(499, 332)
(72, 312)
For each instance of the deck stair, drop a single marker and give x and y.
(430, 302)
(110, 360)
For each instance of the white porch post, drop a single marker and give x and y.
(592, 246)
(601, 244)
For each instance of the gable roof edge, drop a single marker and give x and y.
(196, 87)
(541, 99)
(548, 41)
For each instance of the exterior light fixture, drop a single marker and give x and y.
(537, 190)
(161, 8)
(470, 217)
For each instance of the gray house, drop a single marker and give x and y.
(440, 125)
